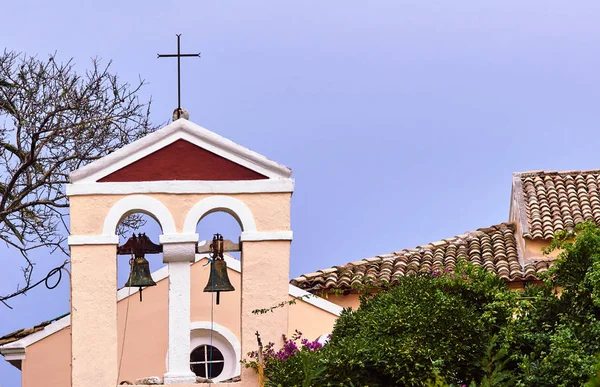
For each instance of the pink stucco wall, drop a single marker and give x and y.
(345, 301)
(48, 362)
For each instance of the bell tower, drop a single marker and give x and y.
(177, 175)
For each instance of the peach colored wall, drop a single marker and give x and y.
(265, 268)
(345, 301)
(93, 315)
(146, 338)
(309, 320)
(271, 211)
(533, 249)
(48, 362)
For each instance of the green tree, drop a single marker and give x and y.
(428, 329)
(424, 328)
(557, 337)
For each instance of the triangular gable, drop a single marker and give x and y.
(182, 160)
(181, 150)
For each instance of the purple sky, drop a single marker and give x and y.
(402, 120)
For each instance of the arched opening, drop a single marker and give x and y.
(222, 223)
(142, 327)
(137, 223)
(203, 303)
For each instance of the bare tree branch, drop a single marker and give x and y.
(53, 121)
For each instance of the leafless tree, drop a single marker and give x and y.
(53, 121)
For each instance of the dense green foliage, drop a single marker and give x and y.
(426, 324)
(465, 328)
(557, 338)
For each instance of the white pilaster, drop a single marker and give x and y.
(178, 365)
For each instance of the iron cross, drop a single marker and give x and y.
(179, 55)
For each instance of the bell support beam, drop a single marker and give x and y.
(178, 253)
(228, 246)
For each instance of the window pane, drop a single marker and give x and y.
(205, 364)
(198, 354)
(216, 370)
(199, 369)
(216, 354)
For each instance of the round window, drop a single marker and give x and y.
(207, 361)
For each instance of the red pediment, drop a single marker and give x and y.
(182, 160)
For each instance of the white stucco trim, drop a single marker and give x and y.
(256, 236)
(37, 336)
(139, 203)
(12, 354)
(77, 240)
(227, 335)
(228, 204)
(178, 365)
(232, 263)
(185, 130)
(178, 238)
(317, 301)
(183, 187)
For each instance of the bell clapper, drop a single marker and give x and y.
(218, 297)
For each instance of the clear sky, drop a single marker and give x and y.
(402, 120)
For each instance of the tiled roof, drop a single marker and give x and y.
(21, 333)
(557, 201)
(493, 248)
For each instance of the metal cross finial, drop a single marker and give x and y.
(178, 56)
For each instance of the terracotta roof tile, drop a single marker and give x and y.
(493, 248)
(21, 333)
(556, 201)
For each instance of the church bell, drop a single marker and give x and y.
(219, 279)
(140, 273)
(138, 247)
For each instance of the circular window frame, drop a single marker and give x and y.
(223, 340)
(206, 363)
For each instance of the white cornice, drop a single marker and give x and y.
(255, 236)
(183, 187)
(180, 130)
(314, 300)
(76, 240)
(14, 353)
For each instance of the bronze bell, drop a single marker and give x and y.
(140, 273)
(219, 279)
(140, 268)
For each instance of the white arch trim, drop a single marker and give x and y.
(227, 334)
(232, 206)
(139, 203)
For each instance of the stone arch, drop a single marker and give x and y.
(228, 204)
(139, 203)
